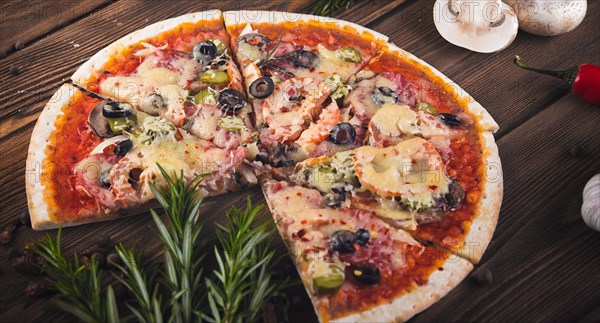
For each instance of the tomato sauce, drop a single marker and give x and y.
(73, 139)
(182, 38)
(464, 164)
(311, 33)
(70, 143)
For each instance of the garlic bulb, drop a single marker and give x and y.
(590, 210)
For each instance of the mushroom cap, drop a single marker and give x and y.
(473, 28)
(549, 18)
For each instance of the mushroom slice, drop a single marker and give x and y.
(483, 26)
(98, 123)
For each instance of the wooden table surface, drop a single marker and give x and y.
(545, 261)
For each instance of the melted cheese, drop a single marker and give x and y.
(394, 120)
(329, 64)
(412, 170)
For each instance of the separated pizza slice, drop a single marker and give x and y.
(354, 266)
(400, 101)
(180, 69)
(295, 68)
(75, 176)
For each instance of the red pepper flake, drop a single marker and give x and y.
(303, 222)
(441, 269)
(432, 187)
(332, 220)
(299, 194)
(342, 222)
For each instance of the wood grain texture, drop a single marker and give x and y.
(23, 21)
(544, 259)
(510, 94)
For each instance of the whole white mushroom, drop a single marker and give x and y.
(549, 17)
(483, 26)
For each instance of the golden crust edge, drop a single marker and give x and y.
(405, 306)
(238, 17)
(34, 187)
(482, 228)
(98, 60)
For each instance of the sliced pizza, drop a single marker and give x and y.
(354, 266)
(397, 100)
(180, 69)
(295, 67)
(76, 176)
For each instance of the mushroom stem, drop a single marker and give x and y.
(567, 75)
(498, 22)
(451, 10)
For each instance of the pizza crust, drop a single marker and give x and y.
(39, 212)
(405, 306)
(483, 226)
(233, 18)
(34, 186)
(483, 118)
(96, 62)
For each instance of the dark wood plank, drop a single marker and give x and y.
(45, 65)
(24, 21)
(543, 257)
(510, 94)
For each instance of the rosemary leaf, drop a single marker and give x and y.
(328, 7)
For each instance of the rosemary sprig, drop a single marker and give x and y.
(328, 7)
(242, 282)
(147, 307)
(241, 285)
(78, 284)
(181, 238)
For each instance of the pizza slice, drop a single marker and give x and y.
(295, 68)
(354, 266)
(76, 176)
(397, 100)
(180, 69)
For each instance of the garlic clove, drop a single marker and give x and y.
(590, 210)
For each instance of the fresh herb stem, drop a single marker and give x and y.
(78, 284)
(237, 292)
(242, 282)
(328, 7)
(181, 238)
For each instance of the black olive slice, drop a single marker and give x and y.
(262, 87)
(105, 177)
(122, 148)
(450, 119)
(231, 100)
(366, 274)
(383, 95)
(335, 200)
(113, 109)
(342, 241)
(362, 237)
(98, 123)
(156, 103)
(204, 52)
(303, 58)
(342, 134)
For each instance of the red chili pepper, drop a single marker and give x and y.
(583, 79)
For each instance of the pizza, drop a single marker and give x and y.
(382, 175)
